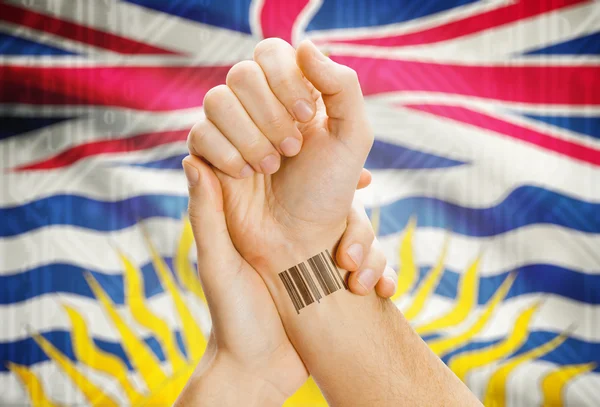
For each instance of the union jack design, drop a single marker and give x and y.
(485, 196)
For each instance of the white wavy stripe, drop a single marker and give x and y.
(533, 244)
(556, 314)
(303, 19)
(95, 125)
(524, 385)
(88, 248)
(212, 44)
(46, 313)
(412, 25)
(96, 179)
(497, 44)
(507, 161)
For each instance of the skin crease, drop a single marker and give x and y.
(359, 349)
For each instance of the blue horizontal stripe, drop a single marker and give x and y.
(524, 206)
(531, 278)
(370, 13)
(26, 352)
(587, 125)
(13, 45)
(392, 156)
(67, 278)
(382, 156)
(587, 45)
(231, 14)
(12, 126)
(89, 213)
(572, 351)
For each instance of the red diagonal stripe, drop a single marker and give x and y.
(474, 118)
(526, 84)
(144, 88)
(124, 145)
(277, 18)
(491, 19)
(77, 32)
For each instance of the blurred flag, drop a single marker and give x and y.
(486, 191)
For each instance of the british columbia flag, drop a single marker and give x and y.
(485, 194)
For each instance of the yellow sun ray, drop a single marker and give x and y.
(444, 345)
(93, 394)
(90, 355)
(32, 385)
(495, 394)
(554, 383)
(375, 219)
(194, 340)
(464, 363)
(428, 285)
(142, 358)
(183, 267)
(407, 272)
(466, 299)
(307, 395)
(136, 301)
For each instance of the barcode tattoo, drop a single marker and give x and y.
(299, 281)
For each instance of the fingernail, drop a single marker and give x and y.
(355, 252)
(246, 171)
(270, 164)
(367, 279)
(303, 110)
(191, 173)
(290, 146)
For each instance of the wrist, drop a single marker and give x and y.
(221, 381)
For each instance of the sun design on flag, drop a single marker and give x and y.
(162, 383)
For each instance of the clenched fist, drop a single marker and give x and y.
(279, 211)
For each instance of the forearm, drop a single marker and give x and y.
(218, 382)
(362, 351)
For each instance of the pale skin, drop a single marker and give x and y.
(275, 213)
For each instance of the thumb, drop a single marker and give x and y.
(216, 252)
(339, 87)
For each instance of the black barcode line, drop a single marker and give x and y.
(299, 281)
(301, 285)
(313, 288)
(313, 266)
(337, 271)
(287, 283)
(323, 271)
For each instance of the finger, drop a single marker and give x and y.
(365, 179)
(386, 286)
(357, 239)
(216, 253)
(277, 59)
(223, 108)
(247, 80)
(205, 140)
(341, 95)
(363, 281)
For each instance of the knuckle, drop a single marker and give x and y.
(196, 135)
(232, 160)
(215, 97)
(349, 74)
(241, 72)
(269, 46)
(276, 122)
